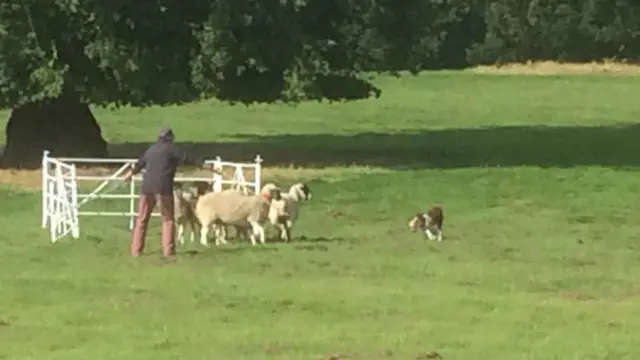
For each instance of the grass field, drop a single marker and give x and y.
(540, 260)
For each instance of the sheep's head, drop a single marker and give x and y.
(201, 187)
(217, 167)
(275, 194)
(195, 190)
(419, 221)
(301, 190)
(267, 188)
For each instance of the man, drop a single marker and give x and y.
(160, 163)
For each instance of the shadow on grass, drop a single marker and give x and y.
(614, 146)
(236, 247)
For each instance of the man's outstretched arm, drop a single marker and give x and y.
(136, 168)
(183, 158)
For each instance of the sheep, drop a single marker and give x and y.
(284, 217)
(184, 202)
(242, 230)
(234, 208)
(277, 209)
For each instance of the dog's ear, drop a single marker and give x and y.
(419, 214)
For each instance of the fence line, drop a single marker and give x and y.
(59, 171)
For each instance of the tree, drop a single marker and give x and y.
(565, 30)
(416, 35)
(59, 56)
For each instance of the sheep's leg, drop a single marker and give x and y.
(181, 233)
(288, 233)
(194, 230)
(204, 232)
(285, 233)
(220, 234)
(223, 235)
(288, 229)
(280, 231)
(217, 234)
(257, 231)
(242, 233)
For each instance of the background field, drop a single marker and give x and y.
(540, 259)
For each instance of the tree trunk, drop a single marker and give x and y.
(64, 126)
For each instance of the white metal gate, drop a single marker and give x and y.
(61, 200)
(238, 180)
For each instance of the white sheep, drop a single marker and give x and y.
(284, 213)
(242, 230)
(277, 212)
(214, 210)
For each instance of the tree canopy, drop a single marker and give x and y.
(57, 56)
(122, 52)
(158, 51)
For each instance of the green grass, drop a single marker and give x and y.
(540, 257)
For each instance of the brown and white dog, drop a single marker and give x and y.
(429, 222)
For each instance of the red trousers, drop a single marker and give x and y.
(146, 204)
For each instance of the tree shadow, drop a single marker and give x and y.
(543, 146)
(267, 87)
(302, 243)
(232, 249)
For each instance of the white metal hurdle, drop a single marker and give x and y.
(61, 201)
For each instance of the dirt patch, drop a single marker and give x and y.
(576, 296)
(430, 355)
(336, 357)
(272, 349)
(606, 67)
(27, 179)
(628, 294)
(283, 176)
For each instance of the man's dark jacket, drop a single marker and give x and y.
(160, 163)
